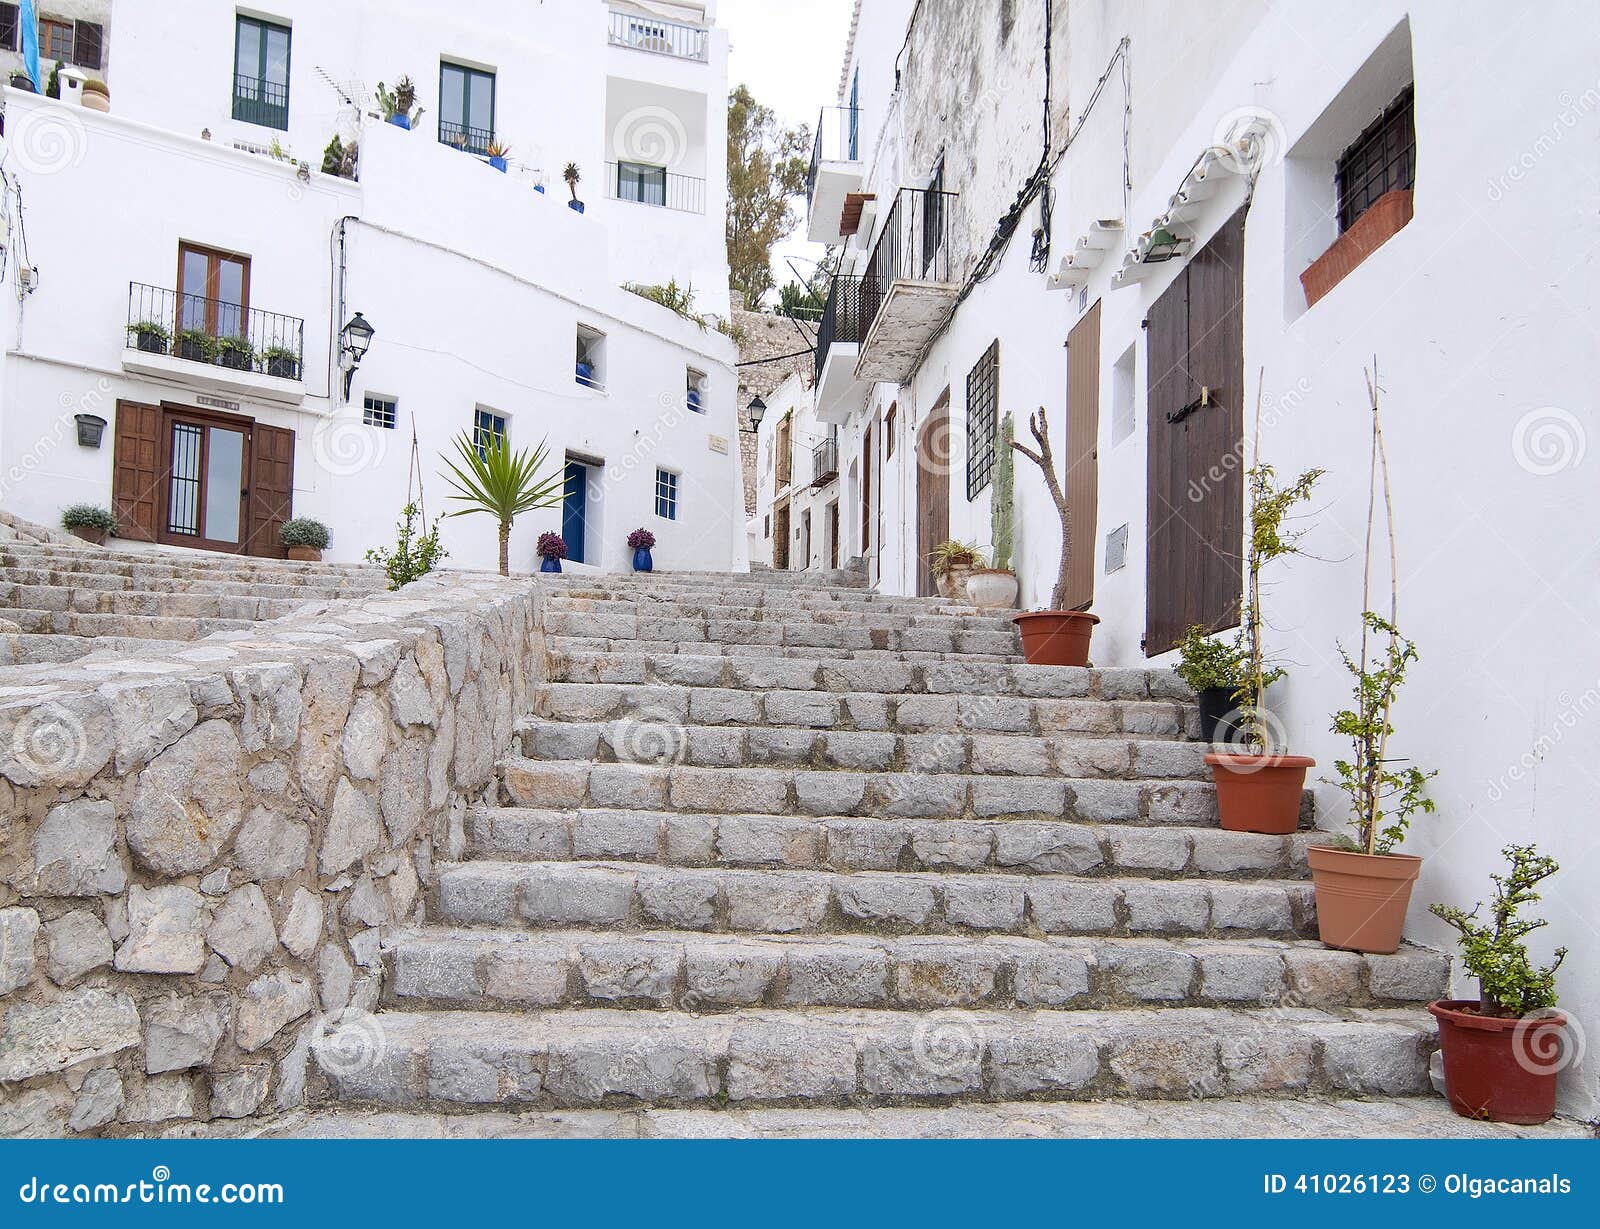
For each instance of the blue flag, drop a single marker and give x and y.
(29, 21)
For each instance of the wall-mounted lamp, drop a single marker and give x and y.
(354, 339)
(758, 411)
(91, 429)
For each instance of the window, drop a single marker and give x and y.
(380, 411)
(591, 371)
(766, 525)
(855, 115)
(933, 221)
(213, 291)
(1122, 385)
(261, 73)
(488, 430)
(888, 431)
(88, 45)
(666, 494)
(1382, 159)
(637, 181)
(983, 394)
(55, 41)
(466, 108)
(697, 391)
(10, 28)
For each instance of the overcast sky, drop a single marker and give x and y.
(789, 52)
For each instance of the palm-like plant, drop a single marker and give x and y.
(489, 477)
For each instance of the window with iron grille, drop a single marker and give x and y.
(378, 411)
(261, 73)
(666, 494)
(10, 28)
(983, 395)
(466, 107)
(1382, 159)
(488, 429)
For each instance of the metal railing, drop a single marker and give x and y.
(464, 137)
(214, 331)
(841, 316)
(838, 139)
(825, 462)
(658, 36)
(260, 102)
(662, 189)
(915, 246)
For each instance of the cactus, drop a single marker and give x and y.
(1002, 511)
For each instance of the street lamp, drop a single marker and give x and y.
(758, 411)
(354, 339)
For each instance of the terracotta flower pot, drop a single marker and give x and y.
(953, 584)
(88, 534)
(1259, 793)
(1500, 1069)
(1056, 637)
(305, 554)
(1361, 897)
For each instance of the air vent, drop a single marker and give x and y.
(1116, 549)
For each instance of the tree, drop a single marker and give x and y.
(491, 478)
(767, 169)
(797, 300)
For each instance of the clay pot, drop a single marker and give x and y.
(96, 98)
(305, 554)
(95, 536)
(1259, 793)
(953, 584)
(992, 590)
(1499, 1069)
(1361, 897)
(1056, 637)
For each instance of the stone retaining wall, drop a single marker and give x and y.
(198, 849)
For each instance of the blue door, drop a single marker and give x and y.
(575, 510)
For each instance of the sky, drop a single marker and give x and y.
(789, 52)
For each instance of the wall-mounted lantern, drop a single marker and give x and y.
(758, 411)
(354, 339)
(91, 429)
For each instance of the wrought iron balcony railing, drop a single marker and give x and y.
(914, 246)
(648, 185)
(838, 139)
(464, 137)
(661, 37)
(841, 316)
(260, 102)
(214, 331)
(825, 462)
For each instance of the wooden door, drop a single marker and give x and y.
(1081, 481)
(933, 492)
(136, 471)
(805, 539)
(1195, 501)
(780, 537)
(833, 534)
(866, 493)
(270, 499)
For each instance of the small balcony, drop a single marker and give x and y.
(833, 183)
(652, 34)
(211, 343)
(909, 289)
(650, 185)
(838, 348)
(260, 102)
(824, 462)
(466, 138)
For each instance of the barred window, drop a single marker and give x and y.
(1382, 159)
(666, 494)
(378, 411)
(983, 395)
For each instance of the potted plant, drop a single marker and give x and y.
(96, 95)
(89, 522)
(642, 541)
(572, 176)
(552, 550)
(21, 81)
(397, 104)
(282, 362)
(196, 345)
(1054, 637)
(1259, 785)
(236, 353)
(304, 539)
(952, 563)
(1217, 672)
(1503, 1051)
(498, 151)
(994, 587)
(488, 477)
(151, 336)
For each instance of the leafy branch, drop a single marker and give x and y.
(1494, 952)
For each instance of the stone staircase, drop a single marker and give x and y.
(773, 843)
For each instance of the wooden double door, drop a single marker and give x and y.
(187, 476)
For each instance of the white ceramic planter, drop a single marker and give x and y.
(992, 590)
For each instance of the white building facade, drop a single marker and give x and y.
(799, 488)
(199, 207)
(1197, 209)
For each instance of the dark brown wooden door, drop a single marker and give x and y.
(1195, 499)
(136, 471)
(271, 492)
(1081, 483)
(780, 537)
(933, 492)
(833, 534)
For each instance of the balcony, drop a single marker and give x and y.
(213, 344)
(652, 34)
(824, 463)
(833, 183)
(908, 290)
(838, 348)
(648, 185)
(260, 102)
(463, 137)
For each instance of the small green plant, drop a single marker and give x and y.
(52, 86)
(399, 101)
(196, 343)
(676, 299)
(151, 328)
(89, 516)
(948, 556)
(303, 531)
(1207, 663)
(416, 551)
(236, 351)
(1510, 985)
(496, 148)
(488, 477)
(341, 159)
(1002, 506)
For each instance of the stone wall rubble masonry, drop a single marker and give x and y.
(200, 846)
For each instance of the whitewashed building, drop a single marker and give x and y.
(799, 488)
(199, 206)
(1195, 208)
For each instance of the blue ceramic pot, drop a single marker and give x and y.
(498, 163)
(642, 561)
(549, 564)
(401, 121)
(575, 206)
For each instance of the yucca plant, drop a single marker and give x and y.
(489, 477)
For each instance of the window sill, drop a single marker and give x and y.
(1386, 218)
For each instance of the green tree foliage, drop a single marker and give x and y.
(489, 477)
(767, 168)
(1493, 951)
(416, 552)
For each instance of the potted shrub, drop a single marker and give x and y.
(96, 95)
(304, 539)
(398, 104)
(1503, 1051)
(89, 522)
(282, 362)
(236, 353)
(572, 176)
(196, 345)
(498, 151)
(995, 587)
(151, 336)
(1217, 672)
(1054, 637)
(552, 550)
(642, 541)
(952, 563)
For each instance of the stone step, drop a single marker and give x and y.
(666, 621)
(802, 634)
(504, 970)
(549, 1059)
(178, 561)
(836, 579)
(39, 650)
(212, 585)
(651, 738)
(752, 605)
(145, 627)
(667, 838)
(576, 644)
(864, 710)
(618, 895)
(823, 792)
(188, 605)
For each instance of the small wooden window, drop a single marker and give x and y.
(983, 395)
(213, 291)
(1382, 159)
(88, 43)
(55, 41)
